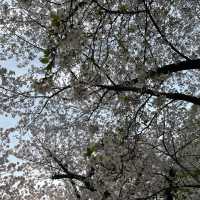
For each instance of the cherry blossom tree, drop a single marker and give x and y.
(108, 104)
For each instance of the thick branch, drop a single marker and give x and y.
(173, 96)
(70, 175)
(169, 69)
(175, 67)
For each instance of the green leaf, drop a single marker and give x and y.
(55, 20)
(46, 52)
(49, 67)
(90, 150)
(125, 98)
(44, 60)
(123, 8)
(99, 12)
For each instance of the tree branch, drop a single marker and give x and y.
(70, 175)
(175, 67)
(162, 34)
(144, 90)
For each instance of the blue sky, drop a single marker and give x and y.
(8, 121)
